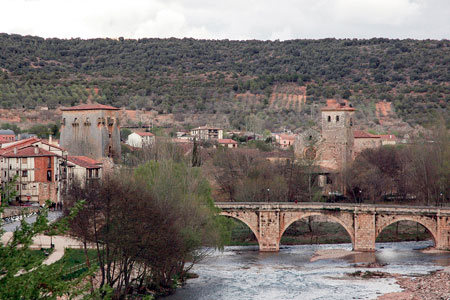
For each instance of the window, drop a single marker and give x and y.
(351, 122)
(25, 173)
(329, 118)
(24, 186)
(310, 137)
(49, 175)
(63, 122)
(337, 119)
(49, 162)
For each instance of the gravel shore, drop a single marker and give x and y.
(434, 286)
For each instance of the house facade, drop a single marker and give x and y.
(7, 136)
(83, 169)
(207, 133)
(228, 143)
(36, 172)
(141, 139)
(286, 140)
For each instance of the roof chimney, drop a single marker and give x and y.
(15, 150)
(50, 139)
(36, 150)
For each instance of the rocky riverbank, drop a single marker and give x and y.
(434, 286)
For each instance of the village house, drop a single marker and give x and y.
(141, 139)
(7, 136)
(286, 140)
(228, 143)
(83, 169)
(37, 173)
(207, 133)
(364, 140)
(388, 139)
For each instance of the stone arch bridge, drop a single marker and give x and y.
(363, 222)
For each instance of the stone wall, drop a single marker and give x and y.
(92, 133)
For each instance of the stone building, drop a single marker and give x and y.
(332, 148)
(91, 130)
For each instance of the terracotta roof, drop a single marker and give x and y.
(29, 151)
(145, 133)
(19, 144)
(287, 137)
(85, 162)
(227, 141)
(90, 107)
(388, 137)
(359, 134)
(333, 104)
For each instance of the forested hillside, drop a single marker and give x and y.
(278, 82)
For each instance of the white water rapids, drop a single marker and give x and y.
(244, 273)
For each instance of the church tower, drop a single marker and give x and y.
(337, 135)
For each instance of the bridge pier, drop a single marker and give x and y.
(443, 233)
(269, 231)
(364, 231)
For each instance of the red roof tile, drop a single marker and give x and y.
(359, 134)
(145, 133)
(90, 107)
(333, 104)
(227, 141)
(29, 151)
(388, 137)
(19, 144)
(85, 162)
(290, 137)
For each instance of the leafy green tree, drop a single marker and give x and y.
(23, 276)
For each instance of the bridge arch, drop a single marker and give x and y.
(289, 220)
(428, 224)
(244, 219)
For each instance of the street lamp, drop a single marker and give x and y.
(268, 194)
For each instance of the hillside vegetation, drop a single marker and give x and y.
(279, 82)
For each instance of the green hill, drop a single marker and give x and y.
(188, 76)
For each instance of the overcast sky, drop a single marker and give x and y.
(228, 19)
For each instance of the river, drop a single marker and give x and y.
(244, 273)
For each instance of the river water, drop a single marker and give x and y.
(245, 273)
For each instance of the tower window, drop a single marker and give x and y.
(329, 118)
(337, 119)
(351, 122)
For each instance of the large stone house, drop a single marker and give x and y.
(91, 130)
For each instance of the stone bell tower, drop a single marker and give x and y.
(337, 135)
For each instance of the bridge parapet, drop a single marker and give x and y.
(363, 222)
